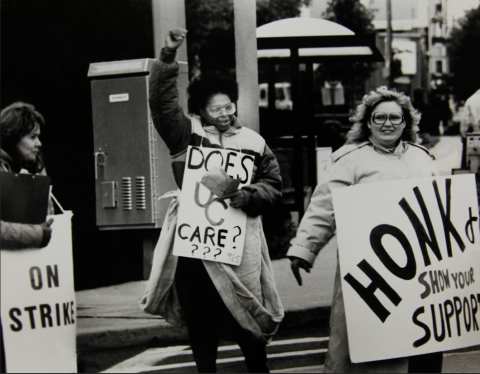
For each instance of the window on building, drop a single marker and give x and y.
(439, 66)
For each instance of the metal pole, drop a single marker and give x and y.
(310, 114)
(166, 15)
(297, 137)
(388, 44)
(270, 133)
(245, 19)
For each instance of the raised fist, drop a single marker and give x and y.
(175, 38)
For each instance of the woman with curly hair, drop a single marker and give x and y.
(215, 300)
(381, 146)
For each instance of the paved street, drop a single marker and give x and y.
(282, 354)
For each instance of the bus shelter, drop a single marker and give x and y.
(308, 41)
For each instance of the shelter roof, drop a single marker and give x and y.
(317, 40)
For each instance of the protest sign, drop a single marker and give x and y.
(207, 227)
(409, 255)
(38, 305)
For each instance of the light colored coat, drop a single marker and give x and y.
(471, 114)
(350, 165)
(248, 290)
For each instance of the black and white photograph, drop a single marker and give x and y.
(240, 186)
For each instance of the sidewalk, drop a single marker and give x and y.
(110, 317)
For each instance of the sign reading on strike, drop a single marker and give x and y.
(409, 255)
(207, 227)
(38, 305)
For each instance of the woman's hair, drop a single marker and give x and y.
(16, 121)
(203, 87)
(360, 131)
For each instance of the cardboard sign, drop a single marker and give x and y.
(409, 255)
(207, 227)
(38, 305)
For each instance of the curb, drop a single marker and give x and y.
(129, 332)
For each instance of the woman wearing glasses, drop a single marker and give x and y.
(380, 146)
(217, 300)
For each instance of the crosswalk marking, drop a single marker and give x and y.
(301, 353)
(234, 359)
(148, 361)
(303, 369)
(298, 341)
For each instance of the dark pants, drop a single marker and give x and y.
(427, 363)
(208, 320)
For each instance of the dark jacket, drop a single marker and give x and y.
(179, 131)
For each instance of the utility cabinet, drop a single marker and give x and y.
(132, 163)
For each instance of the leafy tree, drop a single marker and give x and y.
(464, 55)
(350, 13)
(273, 10)
(211, 40)
(355, 16)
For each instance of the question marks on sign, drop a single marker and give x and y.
(196, 247)
(217, 239)
(239, 232)
(204, 253)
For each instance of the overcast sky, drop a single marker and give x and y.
(457, 8)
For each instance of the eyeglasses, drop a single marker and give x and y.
(380, 118)
(216, 110)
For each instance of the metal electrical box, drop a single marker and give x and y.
(132, 163)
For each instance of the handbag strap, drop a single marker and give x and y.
(55, 200)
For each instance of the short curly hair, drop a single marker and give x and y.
(360, 131)
(203, 87)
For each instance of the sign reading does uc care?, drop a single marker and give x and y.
(207, 227)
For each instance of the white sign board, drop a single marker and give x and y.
(406, 51)
(409, 255)
(38, 305)
(207, 227)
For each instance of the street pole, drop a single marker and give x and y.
(167, 15)
(388, 45)
(298, 132)
(245, 25)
